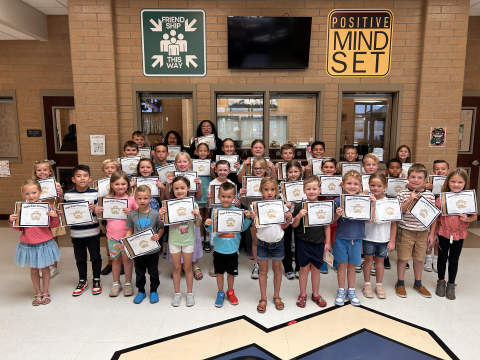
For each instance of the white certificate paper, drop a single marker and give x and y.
(208, 139)
(357, 207)
(173, 151)
(112, 208)
(437, 182)
(179, 210)
(293, 191)
(395, 185)
(463, 202)
(424, 211)
(319, 212)
(331, 185)
(75, 213)
(102, 186)
(164, 171)
(151, 182)
(316, 165)
(227, 220)
(346, 166)
(190, 175)
(269, 212)
(365, 182)
(145, 153)
(49, 188)
(252, 184)
(129, 164)
(32, 214)
(405, 167)
(140, 244)
(232, 159)
(282, 171)
(202, 167)
(388, 209)
(97, 144)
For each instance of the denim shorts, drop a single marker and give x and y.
(348, 251)
(267, 250)
(371, 248)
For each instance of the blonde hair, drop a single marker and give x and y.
(117, 175)
(31, 182)
(457, 171)
(183, 154)
(263, 163)
(36, 163)
(267, 180)
(371, 156)
(143, 189)
(311, 179)
(107, 161)
(352, 173)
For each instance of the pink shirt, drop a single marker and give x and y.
(116, 229)
(37, 235)
(451, 225)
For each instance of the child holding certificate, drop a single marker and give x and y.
(394, 168)
(203, 151)
(142, 219)
(116, 229)
(258, 150)
(181, 241)
(452, 231)
(43, 170)
(228, 147)
(37, 248)
(318, 152)
(379, 240)
(225, 255)
(311, 243)
(412, 235)
(145, 169)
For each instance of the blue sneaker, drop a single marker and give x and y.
(153, 297)
(352, 296)
(220, 299)
(340, 299)
(290, 275)
(324, 268)
(139, 298)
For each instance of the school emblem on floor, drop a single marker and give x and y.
(334, 333)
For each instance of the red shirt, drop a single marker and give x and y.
(451, 225)
(37, 235)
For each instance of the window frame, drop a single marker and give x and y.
(13, 95)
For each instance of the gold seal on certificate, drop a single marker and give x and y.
(365, 182)
(424, 211)
(319, 213)
(269, 212)
(151, 182)
(316, 165)
(248, 169)
(232, 159)
(252, 184)
(346, 166)
(145, 153)
(129, 164)
(140, 244)
(207, 139)
(202, 167)
(112, 208)
(330, 185)
(388, 209)
(437, 182)
(227, 220)
(75, 213)
(395, 185)
(102, 186)
(356, 207)
(190, 175)
(164, 171)
(463, 202)
(178, 210)
(293, 191)
(173, 151)
(48, 187)
(282, 171)
(32, 214)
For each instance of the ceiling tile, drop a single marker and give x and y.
(43, 3)
(475, 12)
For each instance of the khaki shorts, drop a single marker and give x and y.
(411, 244)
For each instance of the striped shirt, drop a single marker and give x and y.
(409, 222)
(87, 230)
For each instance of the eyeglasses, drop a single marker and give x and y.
(206, 127)
(258, 168)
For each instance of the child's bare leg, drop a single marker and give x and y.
(277, 277)
(262, 280)
(341, 274)
(220, 281)
(401, 266)
(35, 276)
(380, 269)
(46, 279)
(116, 268)
(230, 280)
(367, 267)
(187, 267)
(351, 275)
(177, 267)
(55, 264)
(315, 280)
(303, 279)
(253, 231)
(127, 267)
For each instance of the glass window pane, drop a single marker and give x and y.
(66, 129)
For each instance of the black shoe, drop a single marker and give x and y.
(206, 247)
(386, 263)
(408, 266)
(122, 271)
(107, 270)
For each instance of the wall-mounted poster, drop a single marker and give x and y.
(438, 136)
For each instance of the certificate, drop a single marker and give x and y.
(366, 182)
(293, 191)
(208, 139)
(232, 159)
(346, 166)
(214, 191)
(112, 208)
(269, 212)
(165, 171)
(328, 258)
(227, 220)
(49, 188)
(282, 171)
(202, 167)
(190, 175)
(463, 202)
(395, 185)
(330, 185)
(32, 214)
(145, 153)
(316, 165)
(437, 182)
(249, 170)
(405, 167)
(151, 182)
(252, 184)
(424, 211)
(173, 151)
(102, 186)
(75, 213)
(357, 207)
(129, 164)
(178, 210)
(140, 244)
(388, 209)
(319, 212)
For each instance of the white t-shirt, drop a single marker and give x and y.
(378, 232)
(270, 233)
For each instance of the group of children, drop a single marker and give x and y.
(352, 242)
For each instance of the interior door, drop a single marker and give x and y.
(61, 137)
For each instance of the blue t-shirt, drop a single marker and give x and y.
(349, 229)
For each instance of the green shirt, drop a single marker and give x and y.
(182, 234)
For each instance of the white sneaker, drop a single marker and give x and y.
(190, 300)
(53, 272)
(255, 271)
(427, 266)
(434, 264)
(177, 298)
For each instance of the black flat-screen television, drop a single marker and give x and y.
(268, 42)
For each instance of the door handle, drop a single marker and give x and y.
(475, 162)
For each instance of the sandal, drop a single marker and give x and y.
(38, 300)
(197, 273)
(278, 305)
(261, 308)
(302, 301)
(46, 299)
(319, 300)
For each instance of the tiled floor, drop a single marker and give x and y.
(91, 327)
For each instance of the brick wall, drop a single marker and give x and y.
(472, 61)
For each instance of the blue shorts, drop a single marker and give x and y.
(309, 253)
(348, 251)
(266, 250)
(371, 248)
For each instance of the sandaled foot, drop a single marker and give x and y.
(301, 301)
(38, 300)
(46, 299)
(197, 273)
(261, 308)
(319, 300)
(279, 305)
